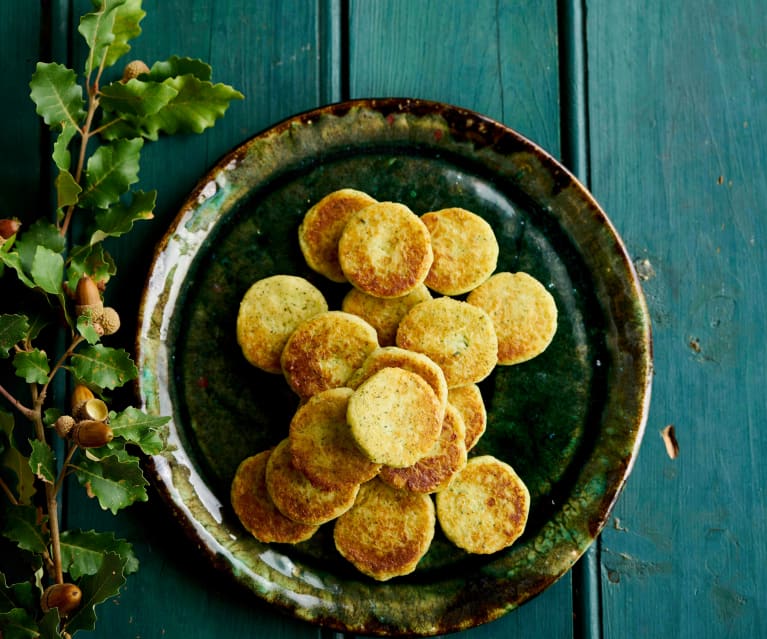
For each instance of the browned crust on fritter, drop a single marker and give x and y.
(485, 508)
(436, 469)
(456, 335)
(297, 498)
(468, 400)
(383, 314)
(269, 312)
(395, 417)
(523, 312)
(324, 351)
(396, 357)
(256, 510)
(465, 250)
(386, 532)
(321, 229)
(385, 250)
(322, 446)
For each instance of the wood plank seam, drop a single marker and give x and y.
(574, 134)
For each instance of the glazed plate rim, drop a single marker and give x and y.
(313, 135)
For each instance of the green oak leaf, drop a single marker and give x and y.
(197, 106)
(40, 233)
(32, 366)
(58, 97)
(110, 171)
(51, 415)
(42, 461)
(136, 427)
(49, 625)
(13, 462)
(82, 552)
(67, 189)
(103, 366)
(177, 65)
(115, 482)
(48, 270)
(136, 97)
(22, 527)
(61, 155)
(18, 624)
(128, 16)
(90, 259)
(87, 329)
(119, 218)
(98, 30)
(13, 329)
(20, 595)
(13, 260)
(96, 589)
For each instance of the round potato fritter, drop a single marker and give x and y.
(485, 508)
(324, 351)
(395, 357)
(322, 446)
(383, 314)
(468, 400)
(385, 250)
(321, 228)
(269, 312)
(434, 471)
(386, 532)
(297, 498)
(256, 510)
(465, 250)
(458, 336)
(395, 417)
(523, 312)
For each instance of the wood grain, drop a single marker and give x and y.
(678, 114)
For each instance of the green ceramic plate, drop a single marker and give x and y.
(569, 421)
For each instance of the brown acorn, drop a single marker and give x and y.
(91, 434)
(133, 69)
(8, 227)
(94, 409)
(63, 425)
(88, 298)
(80, 395)
(65, 597)
(109, 321)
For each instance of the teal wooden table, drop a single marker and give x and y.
(660, 107)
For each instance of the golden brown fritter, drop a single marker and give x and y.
(485, 508)
(386, 532)
(523, 312)
(465, 250)
(269, 312)
(385, 250)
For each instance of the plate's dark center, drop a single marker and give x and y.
(539, 412)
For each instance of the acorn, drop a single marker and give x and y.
(90, 433)
(88, 298)
(109, 322)
(94, 409)
(63, 425)
(8, 227)
(133, 69)
(65, 597)
(80, 394)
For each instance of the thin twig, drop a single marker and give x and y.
(8, 493)
(24, 410)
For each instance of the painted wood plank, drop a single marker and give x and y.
(269, 51)
(20, 139)
(498, 58)
(678, 105)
